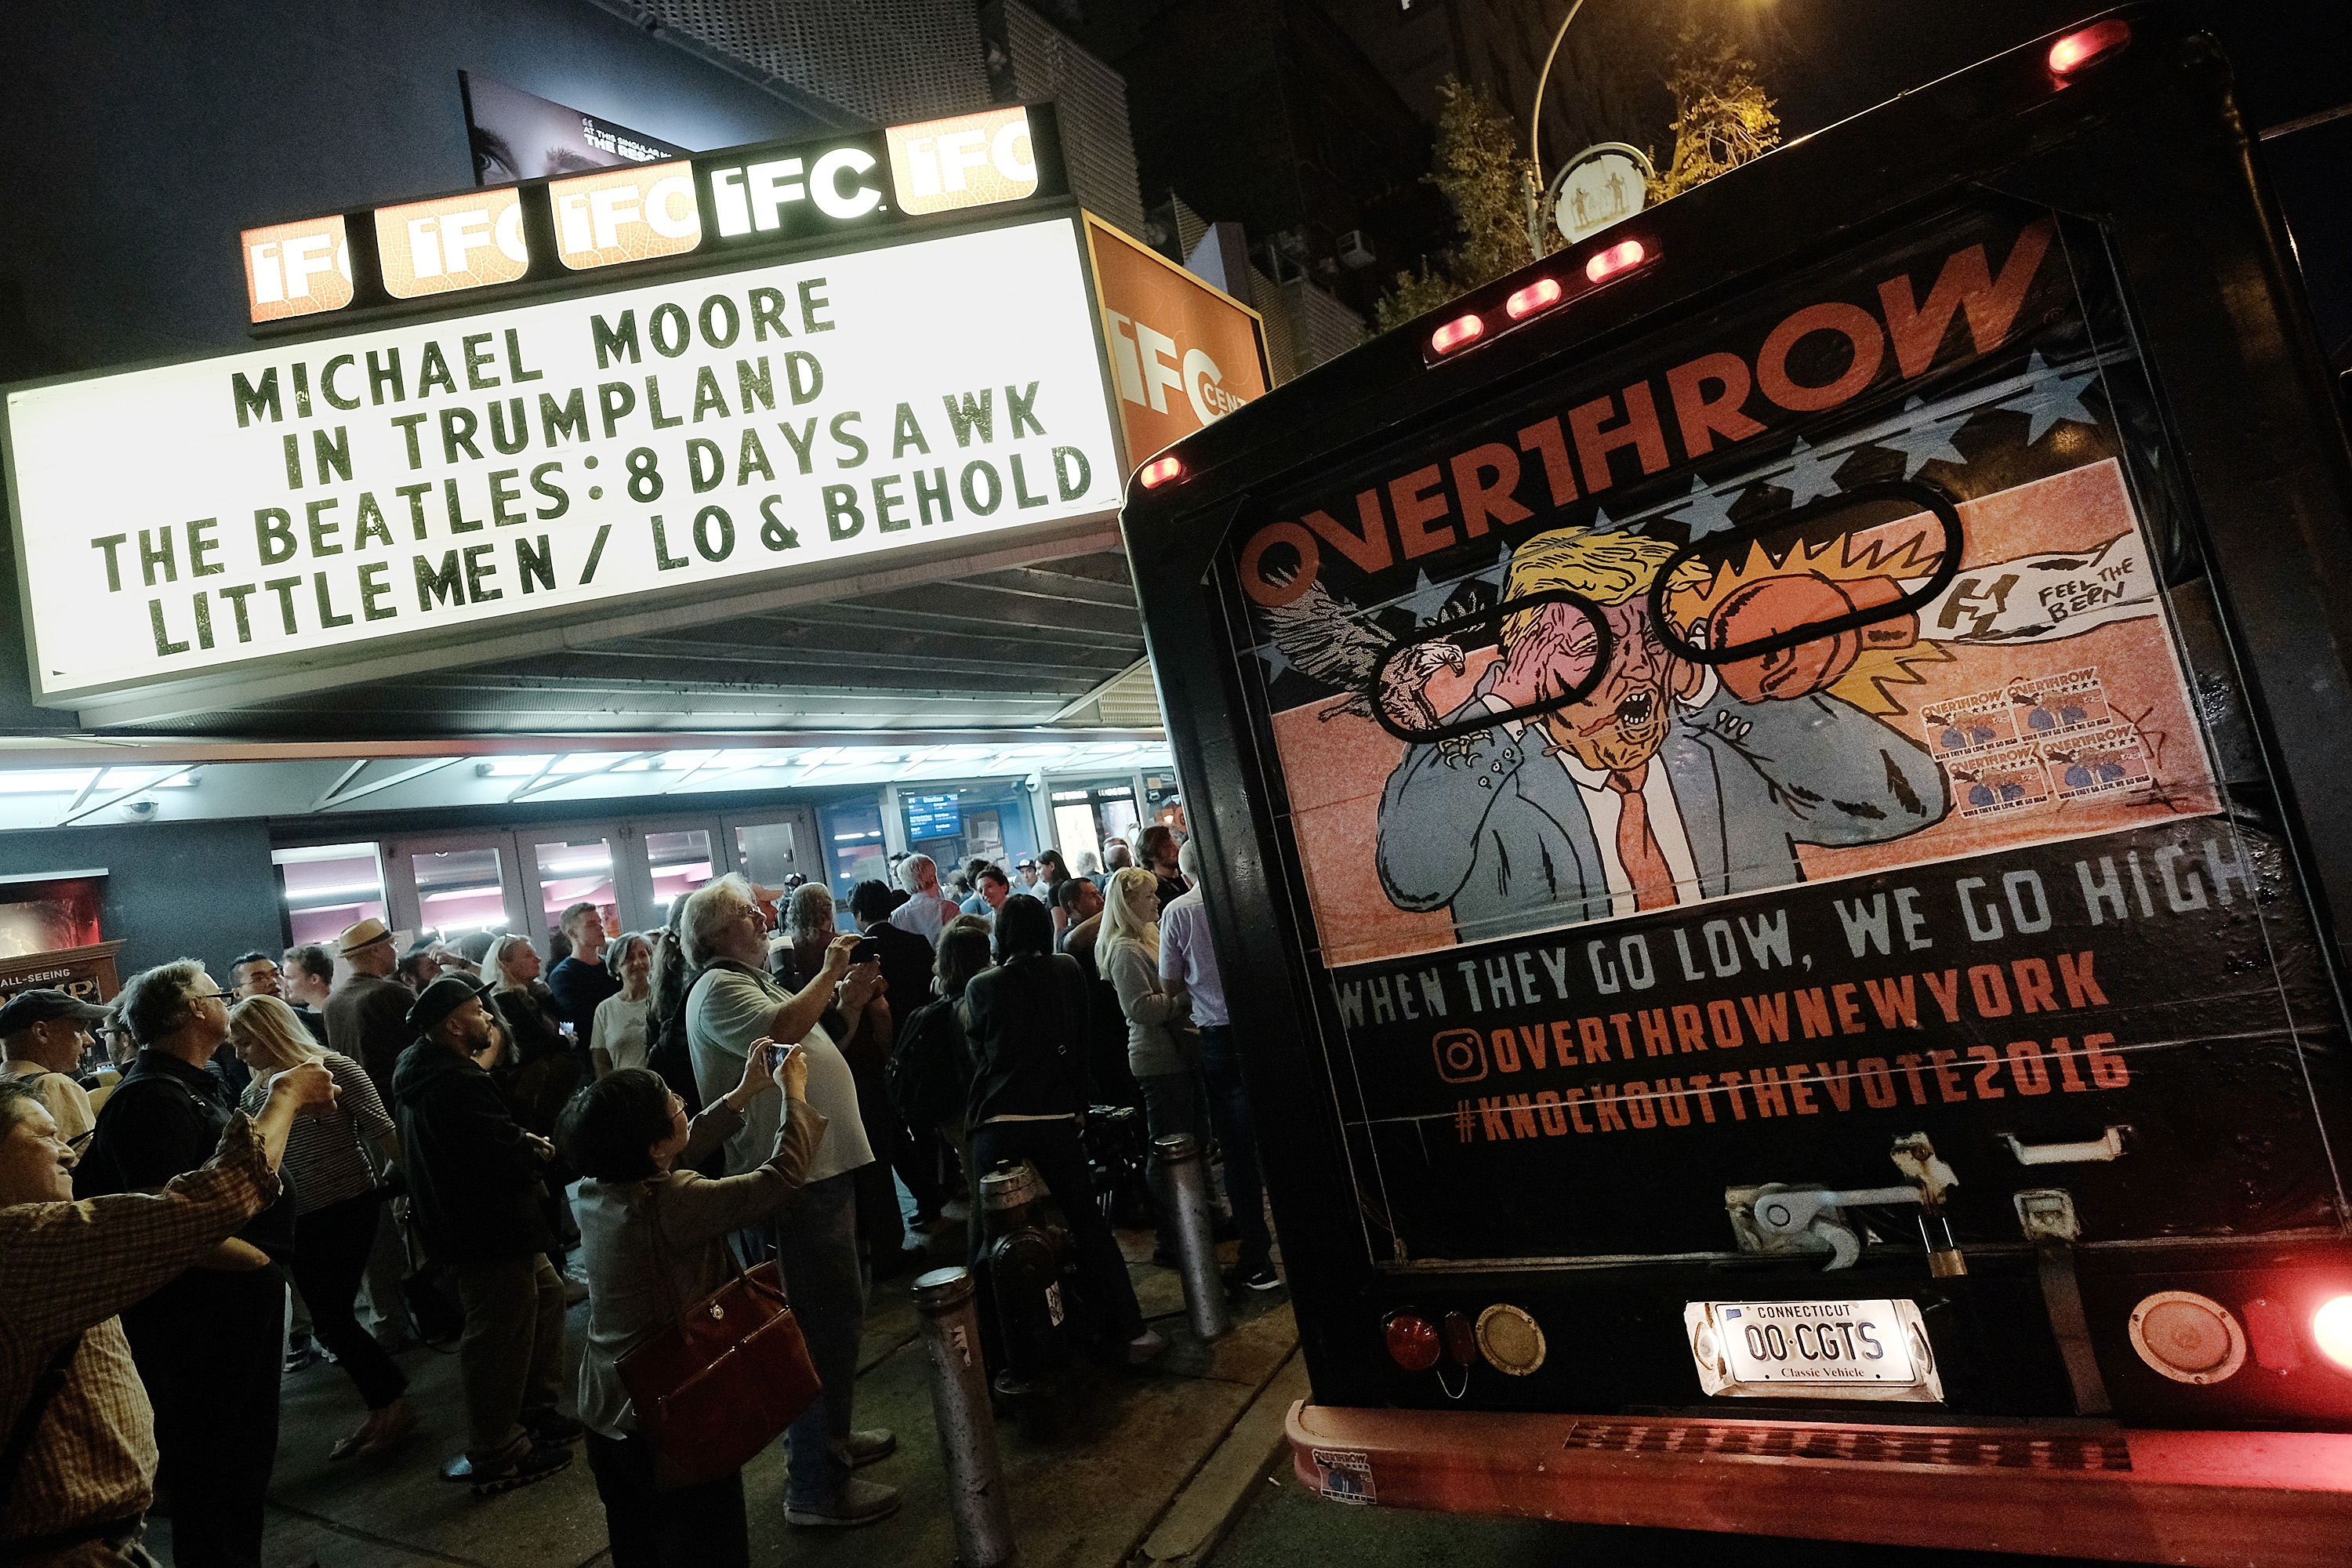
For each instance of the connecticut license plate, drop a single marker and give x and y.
(1829, 1350)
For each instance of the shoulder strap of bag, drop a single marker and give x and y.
(46, 1386)
(663, 1269)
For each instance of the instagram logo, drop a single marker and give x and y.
(1461, 1055)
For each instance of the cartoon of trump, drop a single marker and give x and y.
(1671, 782)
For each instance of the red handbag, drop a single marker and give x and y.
(728, 1376)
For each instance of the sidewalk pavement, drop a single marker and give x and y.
(1145, 1468)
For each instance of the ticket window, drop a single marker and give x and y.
(328, 887)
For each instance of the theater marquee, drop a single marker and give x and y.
(420, 494)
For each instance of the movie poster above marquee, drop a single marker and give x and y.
(314, 504)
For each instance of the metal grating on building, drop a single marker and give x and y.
(2020, 1450)
(1281, 345)
(1321, 329)
(1091, 100)
(889, 61)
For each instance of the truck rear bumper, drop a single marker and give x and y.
(2273, 1499)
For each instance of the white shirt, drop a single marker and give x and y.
(1604, 806)
(924, 914)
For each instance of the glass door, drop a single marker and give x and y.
(455, 886)
(565, 866)
(328, 887)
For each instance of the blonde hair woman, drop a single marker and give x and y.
(1163, 1047)
(333, 1155)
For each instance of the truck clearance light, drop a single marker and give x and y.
(1625, 252)
(2092, 44)
(2331, 1329)
(1159, 471)
(1536, 296)
(1455, 333)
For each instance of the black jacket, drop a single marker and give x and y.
(1026, 1024)
(473, 1183)
(906, 962)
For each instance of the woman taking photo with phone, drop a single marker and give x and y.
(653, 1232)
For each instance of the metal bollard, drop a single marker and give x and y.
(960, 1407)
(1196, 1242)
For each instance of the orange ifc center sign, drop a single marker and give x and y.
(1182, 352)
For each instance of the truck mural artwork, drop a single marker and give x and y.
(1670, 781)
(1780, 767)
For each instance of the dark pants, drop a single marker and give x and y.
(1229, 1107)
(815, 1239)
(207, 1347)
(1061, 1160)
(1172, 1104)
(332, 1247)
(511, 1357)
(692, 1527)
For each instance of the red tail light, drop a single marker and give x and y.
(2331, 1330)
(1537, 295)
(1616, 259)
(1158, 472)
(1413, 1342)
(1455, 333)
(2076, 50)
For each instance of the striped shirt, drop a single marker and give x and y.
(67, 1268)
(326, 1152)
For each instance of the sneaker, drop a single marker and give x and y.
(858, 1502)
(536, 1465)
(866, 1447)
(1262, 1278)
(551, 1429)
(574, 1290)
(299, 1354)
(1145, 1348)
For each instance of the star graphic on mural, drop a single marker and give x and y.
(2051, 399)
(1810, 477)
(1600, 523)
(1927, 443)
(1426, 599)
(1276, 661)
(1705, 513)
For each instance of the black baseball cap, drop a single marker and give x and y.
(41, 1005)
(440, 999)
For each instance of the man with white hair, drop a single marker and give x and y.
(924, 911)
(737, 1007)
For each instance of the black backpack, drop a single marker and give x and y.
(931, 1072)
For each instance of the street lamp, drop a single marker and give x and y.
(1535, 138)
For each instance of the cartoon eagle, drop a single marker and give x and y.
(1326, 640)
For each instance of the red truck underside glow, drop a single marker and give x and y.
(2199, 1498)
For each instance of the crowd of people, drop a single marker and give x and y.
(350, 1147)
